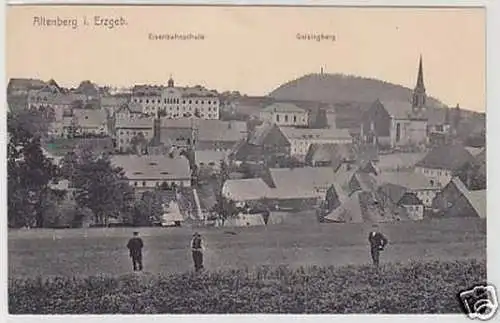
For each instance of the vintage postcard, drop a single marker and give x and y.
(167, 159)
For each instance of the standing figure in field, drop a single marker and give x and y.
(197, 251)
(377, 244)
(135, 246)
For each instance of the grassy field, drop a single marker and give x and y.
(83, 252)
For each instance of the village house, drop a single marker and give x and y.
(176, 102)
(112, 103)
(219, 135)
(392, 124)
(403, 197)
(85, 122)
(148, 172)
(266, 142)
(22, 86)
(200, 134)
(301, 139)
(242, 191)
(425, 189)
(456, 200)
(130, 132)
(354, 197)
(52, 99)
(211, 159)
(285, 114)
(320, 155)
(129, 111)
(441, 163)
(301, 183)
(180, 133)
(89, 90)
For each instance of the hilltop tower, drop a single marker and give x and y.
(170, 82)
(419, 96)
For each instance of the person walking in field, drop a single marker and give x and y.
(197, 251)
(377, 244)
(135, 246)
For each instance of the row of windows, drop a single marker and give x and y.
(157, 184)
(175, 101)
(433, 172)
(189, 108)
(188, 115)
(286, 118)
(133, 133)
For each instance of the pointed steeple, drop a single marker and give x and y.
(419, 96)
(420, 77)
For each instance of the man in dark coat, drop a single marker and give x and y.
(197, 251)
(377, 243)
(135, 246)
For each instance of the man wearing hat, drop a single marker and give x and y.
(197, 251)
(135, 246)
(377, 243)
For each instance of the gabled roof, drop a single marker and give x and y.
(207, 156)
(304, 181)
(135, 123)
(246, 189)
(90, 117)
(315, 134)
(399, 109)
(152, 167)
(132, 107)
(474, 151)
(283, 108)
(260, 133)
(221, 131)
(477, 199)
(449, 157)
(24, 84)
(178, 123)
(409, 180)
(88, 88)
(114, 100)
(392, 191)
(363, 182)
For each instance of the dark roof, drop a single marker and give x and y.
(450, 157)
(26, 84)
(260, 133)
(393, 192)
(331, 153)
(410, 199)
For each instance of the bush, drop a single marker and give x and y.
(396, 288)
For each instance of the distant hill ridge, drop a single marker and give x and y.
(337, 88)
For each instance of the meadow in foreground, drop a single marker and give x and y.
(414, 287)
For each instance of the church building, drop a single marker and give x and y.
(391, 124)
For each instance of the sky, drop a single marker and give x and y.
(253, 49)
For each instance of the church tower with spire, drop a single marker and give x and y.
(419, 96)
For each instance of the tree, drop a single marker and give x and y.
(149, 209)
(473, 176)
(29, 171)
(101, 187)
(139, 143)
